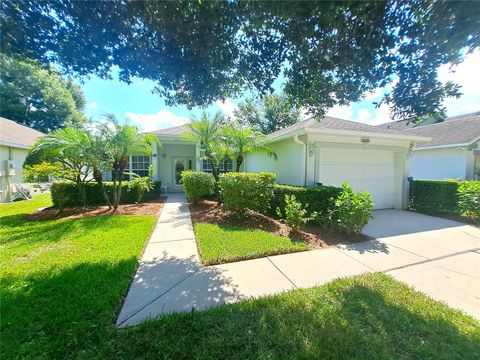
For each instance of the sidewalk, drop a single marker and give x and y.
(170, 277)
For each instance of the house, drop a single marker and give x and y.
(453, 152)
(311, 152)
(15, 139)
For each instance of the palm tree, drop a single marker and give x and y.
(246, 141)
(122, 140)
(208, 134)
(69, 147)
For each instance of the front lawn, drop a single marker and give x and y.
(224, 243)
(63, 282)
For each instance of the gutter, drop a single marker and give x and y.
(304, 155)
(19, 146)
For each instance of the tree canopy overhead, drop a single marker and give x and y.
(197, 52)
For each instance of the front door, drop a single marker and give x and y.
(180, 164)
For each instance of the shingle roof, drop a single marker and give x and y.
(408, 124)
(173, 131)
(464, 129)
(12, 133)
(328, 122)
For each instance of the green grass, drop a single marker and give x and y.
(63, 281)
(225, 243)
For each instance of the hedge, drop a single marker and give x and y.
(197, 184)
(434, 196)
(320, 199)
(242, 191)
(94, 194)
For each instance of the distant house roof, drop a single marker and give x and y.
(176, 131)
(16, 135)
(453, 131)
(328, 123)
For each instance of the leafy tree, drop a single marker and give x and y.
(70, 149)
(329, 52)
(268, 114)
(120, 141)
(246, 141)
(38, 97)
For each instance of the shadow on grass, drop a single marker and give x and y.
(347, 319)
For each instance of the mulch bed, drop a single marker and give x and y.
(153, 207)
(208, 211)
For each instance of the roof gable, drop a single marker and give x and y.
(17, 135)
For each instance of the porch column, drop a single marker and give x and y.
(155, 162)
(198, 164)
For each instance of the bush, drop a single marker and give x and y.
(317, 199)
(352, 210)
(434, 196)
(197, 184)
(242, 191)
(67, 193)
(296, 214)
(469, 199)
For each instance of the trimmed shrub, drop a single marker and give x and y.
(296, 214)
(242, 191)
(66, 193)
(434, 196)
(352, 210)
(469, 199)
(317, 199)
(197, 184)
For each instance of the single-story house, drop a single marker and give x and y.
(453, 152)
(311, 152)
(15, 139)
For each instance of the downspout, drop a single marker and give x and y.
(304, 154)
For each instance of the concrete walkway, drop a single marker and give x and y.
(437, 256)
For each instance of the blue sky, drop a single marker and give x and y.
(136, 104)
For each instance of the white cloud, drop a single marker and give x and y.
(93, 105)
(374, 116)
(467, 75)
(341, 112)
(227, 106)
(162, 119)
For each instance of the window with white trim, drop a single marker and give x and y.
(226, 166)
(140, 164)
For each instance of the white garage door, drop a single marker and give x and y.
(365, 170)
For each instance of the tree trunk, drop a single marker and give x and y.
(98, 178)
(119, 188)
(81, 191)
(239, 162)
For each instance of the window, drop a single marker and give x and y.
(226, 166)
(140, 164)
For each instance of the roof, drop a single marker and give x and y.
(17, 135)
(408, 124)
(459, 130)
(340, 125)
(176, 131)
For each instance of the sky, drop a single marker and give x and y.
(137, 105)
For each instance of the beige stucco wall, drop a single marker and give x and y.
(288, 167)
(18, 156)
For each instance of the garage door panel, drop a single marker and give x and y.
(362, 171)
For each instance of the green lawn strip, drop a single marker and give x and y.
(62, 287)
(365, 317)
(225, 243)
(62, 282)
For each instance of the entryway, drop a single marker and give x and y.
(179, 164)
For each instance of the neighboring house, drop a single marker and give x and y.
(311, 152)
(453, 152)
(15, 139)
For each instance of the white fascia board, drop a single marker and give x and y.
(406, 137)
(19, 146)
(442, 146)
(286, 136)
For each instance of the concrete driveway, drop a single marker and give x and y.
(451, 269)
(437, 256)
